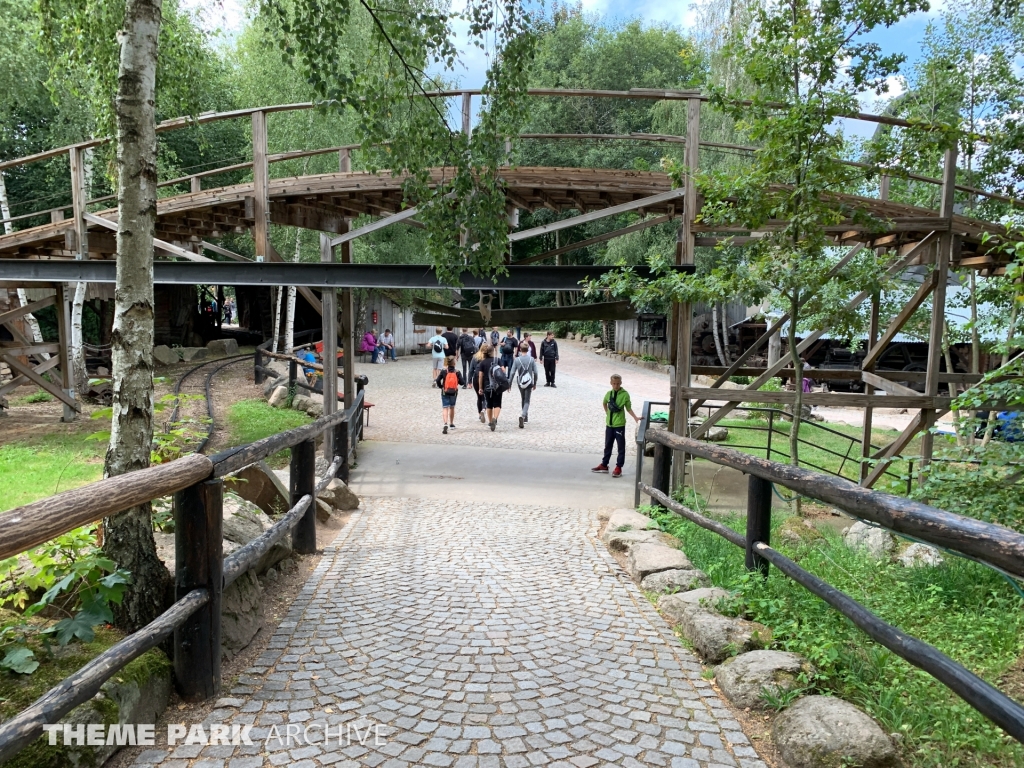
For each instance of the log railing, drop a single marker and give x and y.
(990, 544)
(202, 573)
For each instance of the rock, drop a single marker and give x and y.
(243, 520)
(877, 542)
(604, 513)
(223, 347)
(321, 465)
(315, 409)
(164, 355)
(342, 498)
(645, 559)
(595, 343)
(259, 485)
(742, 678)
(271, 575)
(240, 614)
(716, 435)
(917, 555)
(715, 637)
(625, 519)
(676, 579)
(194, 354)
(278, 397)
(301, 403)
(271, 383)
(823, 731)
(623, 541)
(649, 450)
(323, 511)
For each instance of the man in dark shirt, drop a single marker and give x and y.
(452, 338)
(508, 348)
(549, 354)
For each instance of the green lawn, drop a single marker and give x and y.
(250, 420)
(40, 469)
(965, 610)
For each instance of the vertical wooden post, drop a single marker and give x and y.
(67, 381)
(198, 520)
(759, 521)
(196, 184)
(345, 160)
(293, 375)
(865, 442)
(467, 114)
(680, 409)
(662, 475)
(938, 319)
(261, 186)
(348, 323)
(79, 201)
(258, 363)
(329, 299)
(341, 449)
(302, 481)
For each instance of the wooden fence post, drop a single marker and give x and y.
(662, 478)
(293, 375)
(257, 373)
(198, 518)
(303, 481)
(341, 449)
(759, 520)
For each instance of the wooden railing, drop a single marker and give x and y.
(202, 572)
(987, 543)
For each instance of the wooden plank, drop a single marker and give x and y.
(34, 349)
(892, 387)
(39, 381)
(387, 221)
(638, 227)
(261, 186)
(19, 381)
(14, 314)
(223, 251)
(831, 399)
(897, 323)
(840, 374)
(976, 262)
(158, 244)
(78, 198)
(922, 420)
(614, 210)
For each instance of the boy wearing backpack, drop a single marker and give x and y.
(449, 381)
(616, 406)
(524, 374)
(438, 352)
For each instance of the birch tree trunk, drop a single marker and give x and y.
(128, 536)
(277, 317)
(30, 319)
(798, 391)
(289, 323)
(79, 374)
(724, 317)
(716, 333)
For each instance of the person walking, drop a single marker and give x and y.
(529, 341)
(549, 354)
(453, 343)
(438, 351)
(616, 405)
(493, 380)
(524, 375)
(448, 381)
(495, 337)
(479, 338)
(509, 345)
(467, 348)
(474, 369)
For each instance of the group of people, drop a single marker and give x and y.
(381, 348)
(491, 365)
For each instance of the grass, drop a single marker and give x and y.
(54, 463)
(968, 612)
(250, 420)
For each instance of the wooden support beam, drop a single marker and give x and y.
(223, 251)
(387, 221)
(638, 227)
(619, 310)
(897, 323)
(78, 201)
(33, 349)
(19, 381)
(14, 314)
(62, 303)
(922, 420)
(839, 374)
(261, 186)
(833, 399)
(39, 381)
(865, 439)
(585, 218)
(892, 387)
(162, 245)
(329, 298)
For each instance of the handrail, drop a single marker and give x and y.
(987, 542)
(985, 698)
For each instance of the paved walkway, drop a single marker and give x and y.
(472, 633)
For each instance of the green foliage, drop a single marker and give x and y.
(965, 610)
(39, 397)
(250, 420)
(44, 467)
(177, 438)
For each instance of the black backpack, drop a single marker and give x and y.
(438, 347)
(508, 347)
(497, 379)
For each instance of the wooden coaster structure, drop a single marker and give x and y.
(910, 236)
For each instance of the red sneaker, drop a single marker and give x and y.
(600, 468)
(617, 472)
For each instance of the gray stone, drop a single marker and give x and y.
(243, 520)
(194, 354)
(715, 637)
(823, 731)
(258, 484)
(315, 409)
(629, 518)
(917, 555)
(241, 607)
(675, 579)
(164, 355)
(623, 541)
(876, 542)
(271, 383)
(301, 402)
(223, 347)
(323, 511)
(278, 397)
(645, 559)
(716, 435)
(338, 495)
(743, 678)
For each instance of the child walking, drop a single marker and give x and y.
(616, 405)
(449, 381)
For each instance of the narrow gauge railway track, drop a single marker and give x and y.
(192, 382)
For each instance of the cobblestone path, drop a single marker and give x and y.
(472, 633)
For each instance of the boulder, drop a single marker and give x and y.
(243, 520)
(624, 519)
(595, 343)
(716, 435)
(194, 354)
(675, 580)
(259, 485)
(645, 559)
(223, 347)
(323, 511)
(240, 614)
(271, 383)
(315, 409)
(339, 496)
(876, 542)
(301, 403)
(164, 355)
(278, 397)
(743, 678)
(823, 731)
(623, 541)
(918, 555)
(715, 637)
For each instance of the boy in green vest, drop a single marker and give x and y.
(616, 406)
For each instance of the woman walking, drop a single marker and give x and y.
(493, 381)
(524, 376)
(478, 358)
(449, 381)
